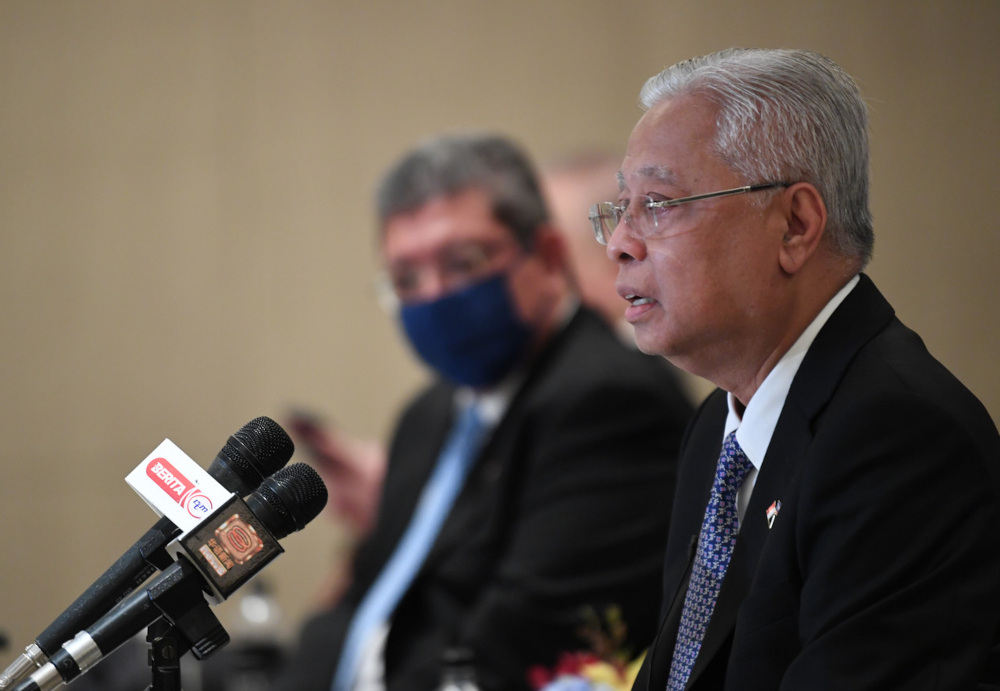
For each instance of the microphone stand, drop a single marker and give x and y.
(188, 623)
(165, 650)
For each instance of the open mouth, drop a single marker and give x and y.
(637, 300)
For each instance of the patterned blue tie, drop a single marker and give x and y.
(435, 503)
(715, 546)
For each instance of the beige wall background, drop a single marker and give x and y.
(186, 227)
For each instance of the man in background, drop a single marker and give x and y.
(835, 523)
(517, 487)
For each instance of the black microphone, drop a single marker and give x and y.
(253, 453)
(215, 558)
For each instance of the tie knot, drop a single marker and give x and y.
(469, 422)
(467, 433)
(733, 463)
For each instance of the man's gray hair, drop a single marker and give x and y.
(451, 164)
(786, 116)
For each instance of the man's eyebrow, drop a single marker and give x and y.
(658, 173)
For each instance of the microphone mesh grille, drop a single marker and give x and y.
(299, 490)
(244, 467)
(269, 496)
(268, 442)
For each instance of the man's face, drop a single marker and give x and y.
(700, 288)
(454, 241)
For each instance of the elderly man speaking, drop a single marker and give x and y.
(836, 518)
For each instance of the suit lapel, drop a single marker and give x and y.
(857, 320)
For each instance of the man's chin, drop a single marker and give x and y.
(648, 343)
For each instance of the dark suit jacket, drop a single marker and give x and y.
(882, 567)
(567, 505)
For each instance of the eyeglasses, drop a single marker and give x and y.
(454, 267)
(652, 216)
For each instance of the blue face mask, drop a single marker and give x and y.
(472, 337)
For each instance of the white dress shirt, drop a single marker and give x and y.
(756, 426)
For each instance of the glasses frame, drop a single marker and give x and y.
(600, 211)
(391, 301)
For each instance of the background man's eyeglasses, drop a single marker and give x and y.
(456, 266)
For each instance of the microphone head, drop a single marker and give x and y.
(256, 451)
(289, 499)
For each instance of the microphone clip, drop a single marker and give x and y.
(182, 602)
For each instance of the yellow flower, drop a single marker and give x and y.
(632, 670)
(612, 676)
(602, 673)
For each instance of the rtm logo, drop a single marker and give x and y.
(178, 487)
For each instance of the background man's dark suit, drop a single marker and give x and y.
(566, 505)
(887, 471)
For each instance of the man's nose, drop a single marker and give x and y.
(431, 285)
(624, 246)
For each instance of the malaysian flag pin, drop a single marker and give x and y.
(772, 513)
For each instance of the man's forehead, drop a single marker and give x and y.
(466, 211)
(656, 173)
(442, 224)
(670, 143)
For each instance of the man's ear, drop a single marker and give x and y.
(805, 214)
(550, 246)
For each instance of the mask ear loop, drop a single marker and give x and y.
(385, 295)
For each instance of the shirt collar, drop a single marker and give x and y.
(493, 402)
(755, 429)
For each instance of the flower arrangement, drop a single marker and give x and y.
(607, 666)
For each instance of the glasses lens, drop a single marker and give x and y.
(647, 218)
(604, 216)
(456, 266)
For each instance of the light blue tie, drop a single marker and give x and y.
(435, 502)
(719, 530)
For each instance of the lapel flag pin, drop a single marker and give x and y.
(772, 513)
